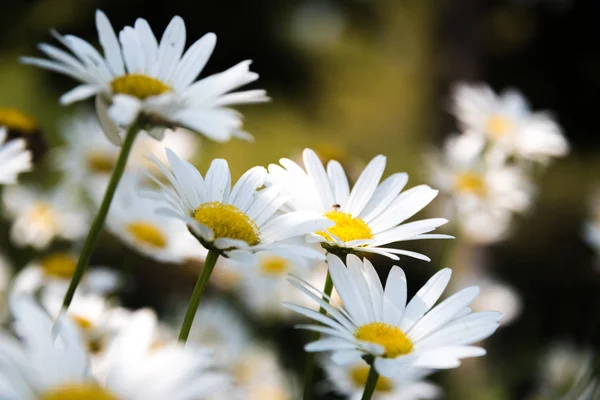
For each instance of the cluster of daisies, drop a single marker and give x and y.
(488, 171)
(291, 240)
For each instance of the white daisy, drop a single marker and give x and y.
(88, 158)
(41, 217)
(132, 219)
(366, 218)
(378, 323)
(508, 122)
(54, 272)
(139, 76)
(53, 364)
(14, 158)
(408, 384)
(237, 221)
(19, 125)
(485, 192)
(262, 287)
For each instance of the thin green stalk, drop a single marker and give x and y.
(371, 383)
(309, 369)
(98, 222)
(207, 269)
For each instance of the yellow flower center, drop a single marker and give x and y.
(100, 162)
(391, 338)
(42, 215)
(227, 221)
(82, 322)
(147, 234)
(59, 265)
(470, 183)
(78, 391)
(497, 126)
(346, 227)
(139, 85)
(274, 266)
(14, 119)
(359, 375)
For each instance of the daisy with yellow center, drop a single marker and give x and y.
(263, 286)
(350, 380)
(376, 322)
(54, 271)
(507, 122)
(41, 217)
(167, 372)
(238, 221)
(14, 158)
(88, 158)
(484, 191)
(138, 75)
(133, 219)
(366, 218)
(234, 222)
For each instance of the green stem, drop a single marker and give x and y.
(371, 383)
(98, 222)
(309, 369)
(207, 269)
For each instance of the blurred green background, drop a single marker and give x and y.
(356, 78)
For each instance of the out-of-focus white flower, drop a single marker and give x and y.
(485, 192)
(41, 217)
(88, 158)
(52, 363)
(133, 219)
(14, 158)
(238, 221)
(408, 384)
(366, 218)
(6, 274)
(567, 372)
(54, 272)
(591, 228)
(138, 75)
(263, 286)
(507, 121)
(377, 322)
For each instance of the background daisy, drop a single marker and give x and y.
(14, 158)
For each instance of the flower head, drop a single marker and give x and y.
(408, 384)
(378, 323)
(137, 75)
(508, 123)
(238, 221)
(369, 216)
(41, 217)
(484, 191)
(52, 364)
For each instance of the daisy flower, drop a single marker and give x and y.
(23, 127)
(53, 363)
(14, 158)
(132, 219)
(236, 221)
(41, 217)
(139, 76)
(507, 121)
(365, 218)
(264, 286)
(408, 384)
(484, 191)
(54, 272)
(377, 322)
(88, 158)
